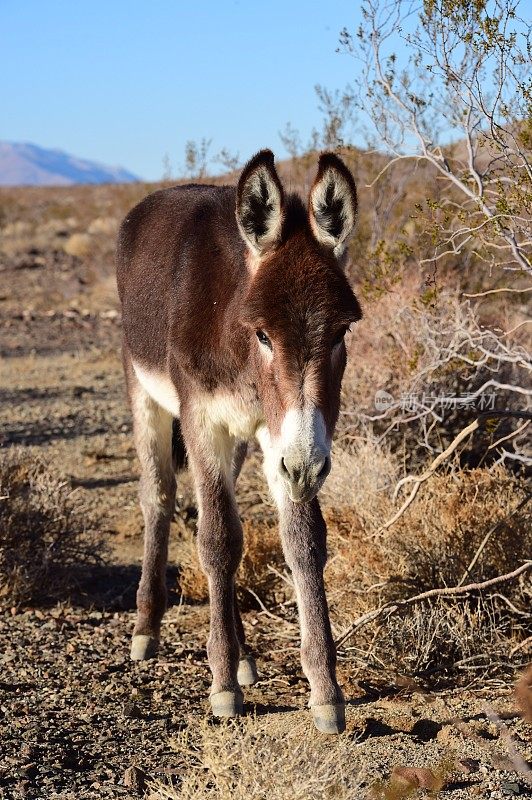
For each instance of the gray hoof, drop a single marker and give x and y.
(247, 673)
(227, 704)
(329, 718)
(143, 647)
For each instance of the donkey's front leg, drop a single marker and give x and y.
(303, 534)
(220, 550)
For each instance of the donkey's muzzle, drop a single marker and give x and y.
(303, 479)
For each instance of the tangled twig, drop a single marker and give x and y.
(397, 605)
(419, 479)
(489, 534)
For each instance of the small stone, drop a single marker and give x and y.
(135, 778)
(511, 788)
(468, 765)
(417, 777)
(132, 711)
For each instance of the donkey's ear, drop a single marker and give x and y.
(333, 203)
(260, 204)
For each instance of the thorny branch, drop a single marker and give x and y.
(419, 479)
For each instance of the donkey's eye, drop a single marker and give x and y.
(264, 339)
(340, 335)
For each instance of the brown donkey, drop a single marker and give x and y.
(235, 306)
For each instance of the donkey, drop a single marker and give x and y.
(235, 307)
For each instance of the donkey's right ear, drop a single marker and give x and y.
(260, 204)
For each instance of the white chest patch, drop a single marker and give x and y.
(160, 388)
(239, 415)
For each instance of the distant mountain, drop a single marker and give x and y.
(24, 164)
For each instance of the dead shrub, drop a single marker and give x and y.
(441, 639)
(192, 580)
(431, 546)
(434, 542)
(257, 759)
(437, 538)
(79, 245)
(43, 535)
(362, 477)
(104, 226)
(414, 370)
(262, 550)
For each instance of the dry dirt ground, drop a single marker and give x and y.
(75, 713)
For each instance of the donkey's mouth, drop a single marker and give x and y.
(297, 495)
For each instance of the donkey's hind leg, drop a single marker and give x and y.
(153, 439)
(247, 669)
(247, 673)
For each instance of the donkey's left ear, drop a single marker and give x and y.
(260, 204)
(333, 203)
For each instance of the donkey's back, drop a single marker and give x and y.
(180, 259)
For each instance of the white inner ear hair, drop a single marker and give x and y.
(333, 212)
(260, 214)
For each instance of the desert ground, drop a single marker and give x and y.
(78, 719)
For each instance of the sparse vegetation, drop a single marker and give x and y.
(79, 245)
(43, 536)
(263, 762)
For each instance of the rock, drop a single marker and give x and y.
(449, 736)
(417, 777)
(135, 778)
(511, 788)
(467, 766)
(132, 711)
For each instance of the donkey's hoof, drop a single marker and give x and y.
(329, 718)
(227, 704)
(247, 671)
(143, 647)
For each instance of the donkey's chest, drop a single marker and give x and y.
(239, 413)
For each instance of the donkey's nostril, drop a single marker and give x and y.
(289, 471)
(324, 471)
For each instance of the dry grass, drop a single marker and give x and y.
(43, 540)
(431, 546)
(104, 226)
(261, 759)
(439, 536)
(79, 245)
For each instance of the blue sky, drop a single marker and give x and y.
(126, 82)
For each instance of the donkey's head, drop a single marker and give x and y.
(298, 308)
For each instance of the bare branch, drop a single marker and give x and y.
(393, 607)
